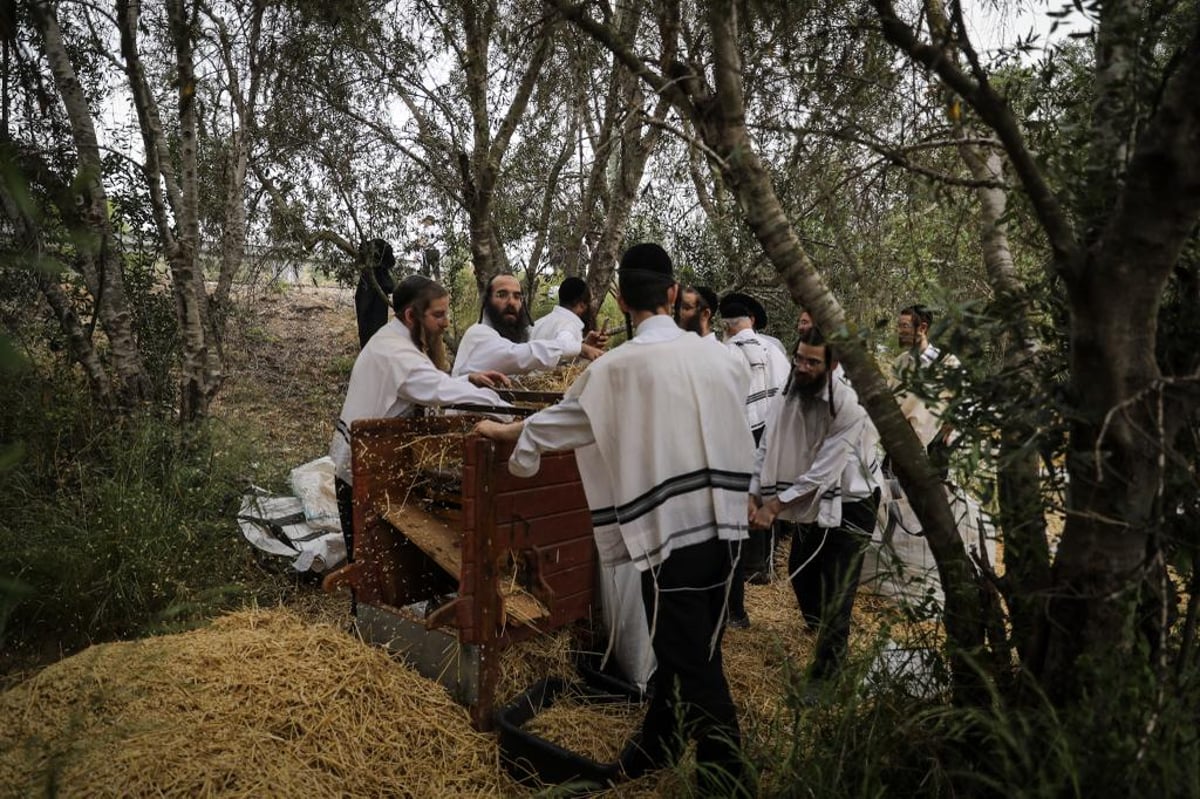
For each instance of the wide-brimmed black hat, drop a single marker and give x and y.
(737, 304)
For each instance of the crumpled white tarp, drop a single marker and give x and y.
(312, 484)
(899, 562)
(281, 526)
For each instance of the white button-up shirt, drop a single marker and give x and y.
(483, 349)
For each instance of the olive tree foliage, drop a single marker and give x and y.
(134, 128)
(521, 138)
(1119, 218)
(864, 164)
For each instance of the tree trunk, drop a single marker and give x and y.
(1021, 518)
(175, 204)
(100, 258)
(201, 366)
(627, 152)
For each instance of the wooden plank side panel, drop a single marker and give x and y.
(572, 608)
(541, 500)
(556, 468)
(520, 533)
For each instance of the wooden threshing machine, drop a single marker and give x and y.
(454, 558)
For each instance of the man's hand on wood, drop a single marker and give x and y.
(489, 379)
(499, 431)
(590, 352)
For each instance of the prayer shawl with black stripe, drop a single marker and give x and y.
(768, 373)
(670, 466)
(816, 457)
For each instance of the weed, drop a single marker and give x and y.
(115, 527)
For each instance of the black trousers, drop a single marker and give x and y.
(684, 610)
(826, 586)
(345, 503)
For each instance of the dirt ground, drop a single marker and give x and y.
(288, 358)
(289, 350)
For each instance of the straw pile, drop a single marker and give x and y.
(521, 665)
(263, 703)
(258, 704)
(598, 731)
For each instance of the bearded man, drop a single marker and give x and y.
(399, 369)
(697, 307)
(500, 340)
(816, 466)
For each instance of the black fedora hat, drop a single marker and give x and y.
(738, 304)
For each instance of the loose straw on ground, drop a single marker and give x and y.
(258, 704)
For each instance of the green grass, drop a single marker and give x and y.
(115, 528)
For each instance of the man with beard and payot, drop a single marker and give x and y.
(696, 309)
(664, 455)
(399, 369)
(500, 340)
(816, 467)
(805, 323)
(925, 416)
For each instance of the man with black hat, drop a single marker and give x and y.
(571, 317)
(670, 513)
(500, 340)
(397, 371)
(696, 310)
(768, 373)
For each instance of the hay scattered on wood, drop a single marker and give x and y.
(258, 704)
(557, 379)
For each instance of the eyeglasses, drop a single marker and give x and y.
(811, 363)
(504, 294)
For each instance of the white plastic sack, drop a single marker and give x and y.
(899, 562)
(625, 620)
(914, 670)
(312, 484)
(277, 526)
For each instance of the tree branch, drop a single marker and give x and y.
(995, 112)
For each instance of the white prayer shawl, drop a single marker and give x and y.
(768, 373)
(773, 342)
(810, 455)
(390, 378)
(665, 467)
(923, 415)
(483, 349)
(559, 322)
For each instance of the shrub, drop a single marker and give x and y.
(113, 527)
